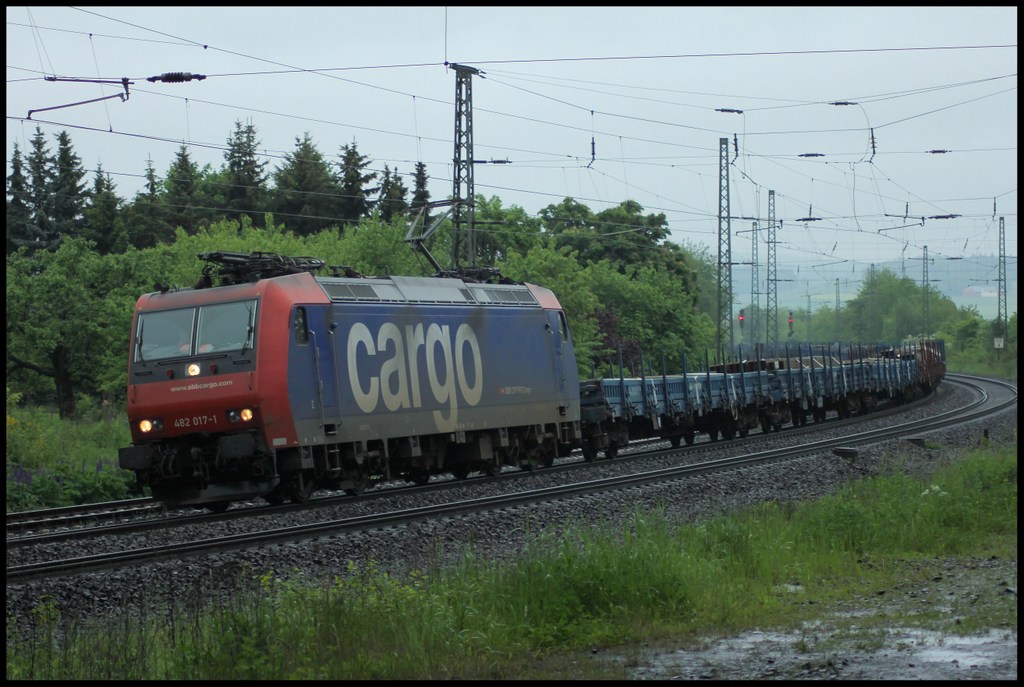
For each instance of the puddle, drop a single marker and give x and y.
(907, 654)
(969, 652)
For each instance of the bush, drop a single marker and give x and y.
(52, 462)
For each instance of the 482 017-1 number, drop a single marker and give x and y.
(195, 421)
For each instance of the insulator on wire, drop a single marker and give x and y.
(176, 77)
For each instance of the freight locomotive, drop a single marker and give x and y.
(266, 380)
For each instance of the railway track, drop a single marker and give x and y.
(76, 516)
(991, 397)
(141, 515)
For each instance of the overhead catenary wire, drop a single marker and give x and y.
(624, 137)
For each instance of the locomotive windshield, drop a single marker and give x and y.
(219, 328)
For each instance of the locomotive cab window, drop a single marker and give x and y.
(301, 328)
(226, 327)
(164, 334)
(218, 328)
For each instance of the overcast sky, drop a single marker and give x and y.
(598, 104)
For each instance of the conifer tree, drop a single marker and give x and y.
(392, 199)
(306, 197)
(68, 188)
(246, 192)
(42, 230)
(355, 194)
(181, 192)
(19, 214)
(420, 194)
(102, 222)
(144, 219)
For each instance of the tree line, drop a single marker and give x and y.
(49, 198)
(78, 258)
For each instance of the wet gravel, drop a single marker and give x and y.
(151, 589)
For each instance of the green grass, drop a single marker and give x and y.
(588, 587)
(984, 364)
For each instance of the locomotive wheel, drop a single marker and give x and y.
(421, 478)
(301, 487)
(589, 454)
(218, 507)
(274, 498)
(460, 470)
(611, 452)
(689, 438)
(674, 439)
(549, 450)
(358, 485)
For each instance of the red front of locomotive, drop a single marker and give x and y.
(207, 383)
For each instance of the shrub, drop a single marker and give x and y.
(52, 462)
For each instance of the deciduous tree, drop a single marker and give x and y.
(68, 318)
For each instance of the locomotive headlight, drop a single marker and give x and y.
(192, 370)
(155, 425)
(243, 415)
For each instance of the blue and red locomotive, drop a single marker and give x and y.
(276, 381)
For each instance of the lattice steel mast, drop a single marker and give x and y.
(725, 328)
(1001, 312)
(772, 301)
(463, 243)
(755, 293)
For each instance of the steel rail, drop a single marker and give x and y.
(980, 408)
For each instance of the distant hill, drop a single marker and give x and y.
(971, 281)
